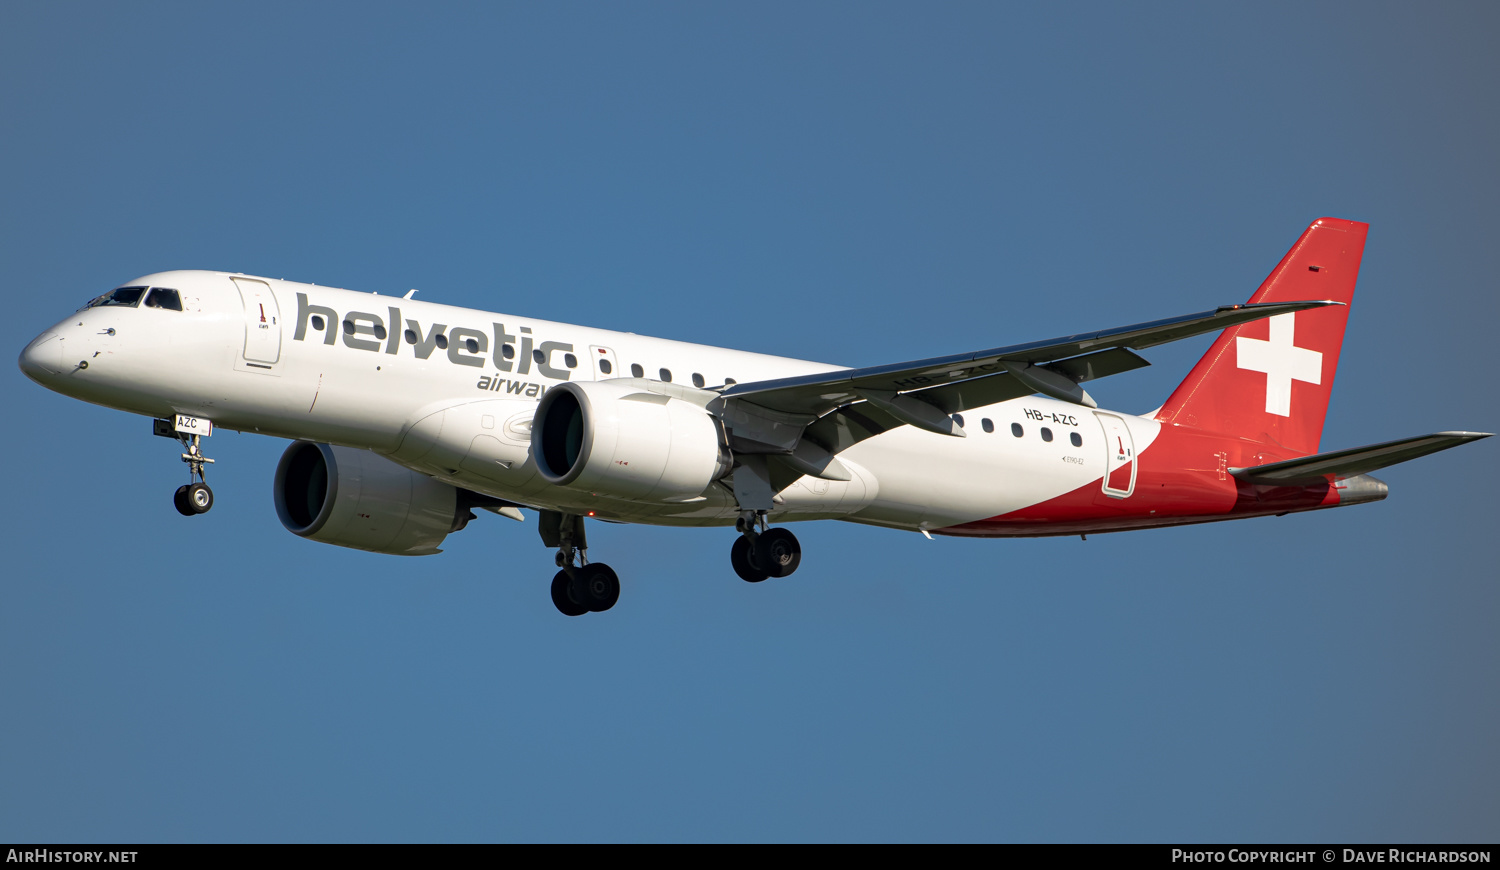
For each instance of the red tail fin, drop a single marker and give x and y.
(1269, 380)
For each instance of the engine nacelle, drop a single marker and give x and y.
(355, 498)
(621, 441)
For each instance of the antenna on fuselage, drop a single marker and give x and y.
(409, 293)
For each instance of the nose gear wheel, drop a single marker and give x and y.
(192, 499)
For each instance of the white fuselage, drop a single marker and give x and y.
(322, 364)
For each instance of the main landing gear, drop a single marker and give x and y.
(195, 497)
(581, 586)
(760, 552)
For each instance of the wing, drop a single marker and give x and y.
(840, 408)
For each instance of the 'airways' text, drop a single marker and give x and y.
(517, 388)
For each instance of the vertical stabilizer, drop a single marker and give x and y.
(1269, 381)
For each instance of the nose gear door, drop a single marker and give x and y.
(1119, 466)
(262, 323)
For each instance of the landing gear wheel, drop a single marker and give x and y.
(777, 552)
(179, 500)
(597, 586)
(562, 598)
(199, 498)
(740, 557)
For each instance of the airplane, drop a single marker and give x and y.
(406, 416)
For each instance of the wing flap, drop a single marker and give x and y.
(850, 425)
(1357, 460)
(974, 393)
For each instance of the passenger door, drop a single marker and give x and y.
(1119, 466)
(262, 323)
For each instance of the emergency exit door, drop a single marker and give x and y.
(604, 364)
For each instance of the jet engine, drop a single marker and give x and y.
(358, 499)
(622, 441)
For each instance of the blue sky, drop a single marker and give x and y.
(857, 183)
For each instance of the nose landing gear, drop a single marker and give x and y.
(194, 497)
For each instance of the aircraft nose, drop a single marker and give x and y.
(43, 357)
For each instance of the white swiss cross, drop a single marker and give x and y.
(1282, 361)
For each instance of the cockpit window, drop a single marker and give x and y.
(127, 296)
(161, 297)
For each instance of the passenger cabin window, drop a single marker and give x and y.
(1076, 439)
(571, 361)
(442, 341)
(666, 375)
(1016, 430)
(636, 371)
(987, 424)
(1046, 434)
(729, 382)
(698, 380)
(959, 419)
(161, 297)
(506, 350)
(539, 357)
(605, 366)
(127, 296)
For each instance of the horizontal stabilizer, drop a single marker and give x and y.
(1358, 460)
